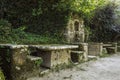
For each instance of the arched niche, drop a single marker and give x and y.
(76, 25)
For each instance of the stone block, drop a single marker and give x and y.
(95, 49)
(54, 55)
(111, 50)
(77, 56)
(84, 47)
(18, 66)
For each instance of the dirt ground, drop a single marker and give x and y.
(102, 69)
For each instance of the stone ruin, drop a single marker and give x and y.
(21, 62)
(75, 30)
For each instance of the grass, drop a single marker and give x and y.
(28, 38)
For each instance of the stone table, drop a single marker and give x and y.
(54, 55)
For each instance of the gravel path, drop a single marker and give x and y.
(103, 69)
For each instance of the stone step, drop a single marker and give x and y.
(33, 58)
(44, 71)
(118, 46)
(92, 57)
(111, 47)
(78, 52)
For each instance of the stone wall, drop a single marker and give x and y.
(84, 47)
(75, 30)
(23, 61)
(81, 53)
(16, 64)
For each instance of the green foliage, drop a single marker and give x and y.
(102, 23)
(43, 17)
(46, 17)
(1, 75)
(5, 27)
(38, 62)
(86, 6)
(19, 36)
(88, 32)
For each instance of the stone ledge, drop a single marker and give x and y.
(78, 52)
(53, 47)
(43, 47)
(85, 44)
(12, 46)
(34, 58)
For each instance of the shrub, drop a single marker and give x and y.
(102, 23)
(5, 27)
(19, 36)
(1, 75)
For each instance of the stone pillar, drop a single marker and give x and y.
(53, 58)
(95, 49)
(115, 45)
(84, 47)
(101, 49)
(18, 62)
(23, 65)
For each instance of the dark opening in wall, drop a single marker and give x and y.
(35, 53)
(76, 25)
(5, 62)
(76, 38)
(74, 57)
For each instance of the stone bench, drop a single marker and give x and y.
(77, 56)
(54, 55)
(111, 50)
(77, 52)
(111, 47)
(81, 52)
(107, 45)
(23, 61)
(95, 49)
(118, 48)
(17, 62)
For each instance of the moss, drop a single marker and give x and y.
(2, 77)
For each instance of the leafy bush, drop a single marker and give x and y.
(19, 36)
(46, 17)
(102, 23)
(1, 75)
(5, 27)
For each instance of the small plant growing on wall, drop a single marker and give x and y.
(38, 62)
